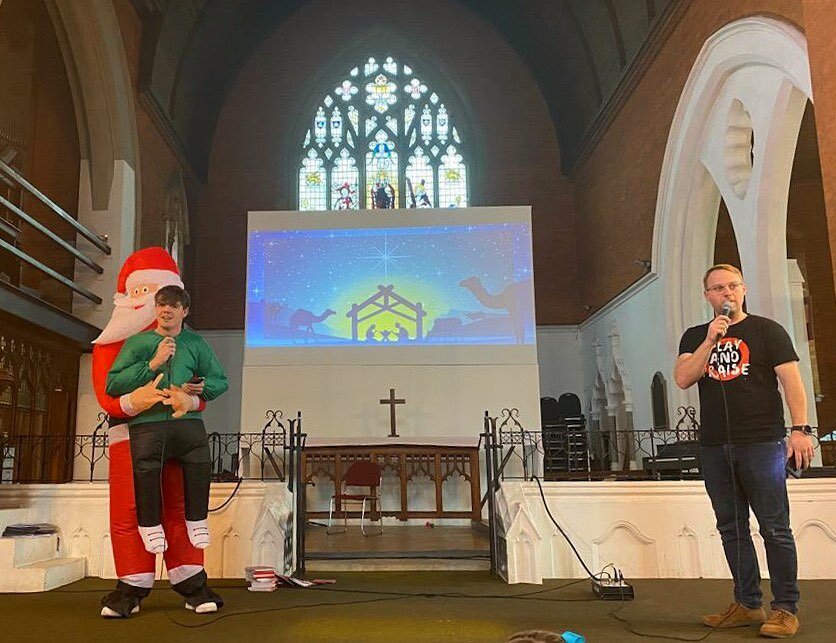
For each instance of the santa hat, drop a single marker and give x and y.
(152, 265)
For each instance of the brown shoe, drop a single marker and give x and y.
(735, 616)
(781, 625)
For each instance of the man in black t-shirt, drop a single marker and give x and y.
(738, 360)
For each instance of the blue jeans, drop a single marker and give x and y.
(739, 476)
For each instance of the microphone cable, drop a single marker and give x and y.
(727, 454)
(162, 466)
(726, 311)
(595, 577)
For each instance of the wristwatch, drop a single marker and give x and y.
(805, 428)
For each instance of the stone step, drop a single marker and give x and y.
(24, 550)
(42, 576)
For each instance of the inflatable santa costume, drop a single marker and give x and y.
(143, 273)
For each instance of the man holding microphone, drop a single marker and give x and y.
(737, 360)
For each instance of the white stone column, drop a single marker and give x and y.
(117, 222)
(762, 63)
(798, 332)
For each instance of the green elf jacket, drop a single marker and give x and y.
(194, 357)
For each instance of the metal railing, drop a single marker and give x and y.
(517, 453)
(272, 454)
(11, 237)
(83, 458)
(266, 455)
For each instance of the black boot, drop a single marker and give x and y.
(199, 597)
(123, 601)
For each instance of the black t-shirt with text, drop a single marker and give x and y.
(744, 361)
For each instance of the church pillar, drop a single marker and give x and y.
(762, 64)
(819, 16)
(749, 151)
(629, 461)
(91, 43)
(802, 344)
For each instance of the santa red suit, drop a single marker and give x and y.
(143, 273)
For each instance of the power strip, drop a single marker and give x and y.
(610, 589)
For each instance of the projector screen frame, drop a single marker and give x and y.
(429, 354)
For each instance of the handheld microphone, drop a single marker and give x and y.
(168, 365)
(725, 311)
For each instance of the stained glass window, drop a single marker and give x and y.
(382, 138)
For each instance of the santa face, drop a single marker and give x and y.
(132, 313)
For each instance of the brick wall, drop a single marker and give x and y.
(819, 18)
(157, 160)
(251, 167)
(806, 230)
(615, 187)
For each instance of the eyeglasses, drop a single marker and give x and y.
(733, 286)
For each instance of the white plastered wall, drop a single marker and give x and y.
(648, 529)
(250, 530)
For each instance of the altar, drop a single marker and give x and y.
(404, 460)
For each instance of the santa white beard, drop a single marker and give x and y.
(130, 316)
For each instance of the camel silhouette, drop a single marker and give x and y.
(305, 319)
(272, 310)
(511, 299)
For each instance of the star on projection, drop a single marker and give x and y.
(385, 257)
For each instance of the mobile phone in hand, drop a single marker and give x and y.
(196, 380)
(792, 470)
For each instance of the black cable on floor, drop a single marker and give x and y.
(614, 613)
(630, 628)
(277, 609)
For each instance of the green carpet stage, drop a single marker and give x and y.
(399, 606)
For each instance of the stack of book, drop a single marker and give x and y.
(262, 579)
(29, 529)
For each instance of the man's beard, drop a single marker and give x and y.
(130, 316)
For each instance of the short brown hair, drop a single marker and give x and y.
(171, 296)
(720, 266)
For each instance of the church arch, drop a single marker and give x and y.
(753, 76)
(94, 54)
(91, 42)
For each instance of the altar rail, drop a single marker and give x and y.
(29, 459)
(638, 454)
(438, 463)
(641, 454)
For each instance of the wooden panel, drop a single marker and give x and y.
(435, 462)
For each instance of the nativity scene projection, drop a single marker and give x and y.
(437, 285)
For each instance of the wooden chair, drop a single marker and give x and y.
(362, 473)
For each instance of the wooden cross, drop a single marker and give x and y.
(392, 401)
